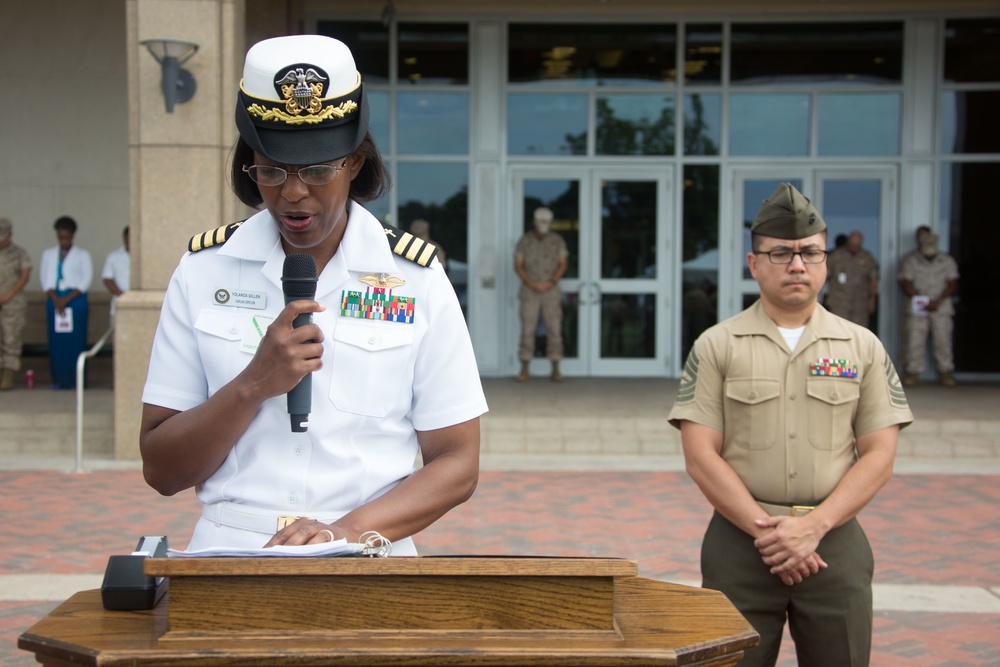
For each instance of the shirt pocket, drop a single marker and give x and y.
(219, 335)
(831, 407)
(369, 366)
(753, 405)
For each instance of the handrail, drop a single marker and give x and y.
(81, 362)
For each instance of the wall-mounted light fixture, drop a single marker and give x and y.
(177, 83)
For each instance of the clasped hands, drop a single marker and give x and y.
(789, 547)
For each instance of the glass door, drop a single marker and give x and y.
(615, 320)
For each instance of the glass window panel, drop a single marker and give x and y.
(853, 205)
(368, 42)
(702, 124)
(546, 124)
(628, 326)
(970, 50)
(433, 53)
(755, 192)
(703, 53)
(859, 124)
(768, 124)
(628, 229)
(562, 196)
(432, 123)
(438, 193)
(378, 120)
(968, 232)
(570, 325)
(635, 124)
(592, 53)
(969, 122)
(796, 53)
(700, 252)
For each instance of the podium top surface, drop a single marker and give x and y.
(488, 566)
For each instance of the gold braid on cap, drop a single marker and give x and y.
(297, 108)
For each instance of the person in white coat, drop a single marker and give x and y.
(392, 368)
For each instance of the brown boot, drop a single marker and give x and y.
(6, 379)
(948, 380)
(910, 379)
(556, 375)
(523, 375)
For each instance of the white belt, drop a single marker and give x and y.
(258, 519)
(785, 510)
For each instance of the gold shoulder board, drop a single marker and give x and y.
(212, 237)
(409, 246)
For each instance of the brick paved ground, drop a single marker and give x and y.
(924, 529)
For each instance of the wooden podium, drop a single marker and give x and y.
(434, 611)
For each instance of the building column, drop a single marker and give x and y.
(177, 164)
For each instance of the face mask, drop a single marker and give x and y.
(542, 227)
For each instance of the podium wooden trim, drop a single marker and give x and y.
(440, 611)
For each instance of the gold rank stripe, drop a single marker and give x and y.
(212, 237)
(414, 249)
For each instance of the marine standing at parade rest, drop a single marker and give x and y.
(852, 281)
(789, 417)
(540, 260)
(15, 270)
(392, 368)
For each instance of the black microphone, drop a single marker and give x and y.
(298, 282)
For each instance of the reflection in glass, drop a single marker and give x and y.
(859, 123)
(368, 42)
(546, 124)
(592, 53)
(563, 198)
(628, 326)
(850, 206)
(755, 192)
(438, 193)
(970, 50)
(378, 123)
(628, 229)
(797, 53)
(635, 124)
(700, 268)
(702, 124)
(703, 53)
(433, 53)
(571, 328)
(769, 124)
(432, 123)
(969, 121)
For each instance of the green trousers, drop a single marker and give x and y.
(829, 614)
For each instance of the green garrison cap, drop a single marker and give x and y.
(788, 214)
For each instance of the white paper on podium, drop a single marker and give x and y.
(336, 548)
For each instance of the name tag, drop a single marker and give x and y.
(240, 298)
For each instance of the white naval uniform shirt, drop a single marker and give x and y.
(381, 381)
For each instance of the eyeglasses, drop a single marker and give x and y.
(785, 256)
(317, 174)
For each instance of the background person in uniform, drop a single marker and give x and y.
(422, 230)
(393, 372)
(852, 282)
(789, 417)
(904, 318)
(15, 269)
(116, 272)
(66, 272)
(929, 278)
(540, 261)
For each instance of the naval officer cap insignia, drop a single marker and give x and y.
(788, 214)
(301, 100)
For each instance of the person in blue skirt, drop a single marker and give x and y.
(66, 272)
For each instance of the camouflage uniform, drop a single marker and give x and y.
(849, 280)
(930, 276)
(540, 257)
(13, 260)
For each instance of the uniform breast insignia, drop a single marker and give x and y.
(409, 246)
(212, 237)
(378, 302)
(841, 368)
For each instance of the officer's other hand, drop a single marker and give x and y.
(790, 542)
(808, 567)
(302, 531)
(285, 353)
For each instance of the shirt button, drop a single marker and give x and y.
(834, 396)
(233, 330)
(791, 397)
(753, 395)
(793, 475)
(298, 450)
(792, 435)
(292, 500)
(371, 341)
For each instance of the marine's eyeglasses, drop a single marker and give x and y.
(317, 174)
(785, 256)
